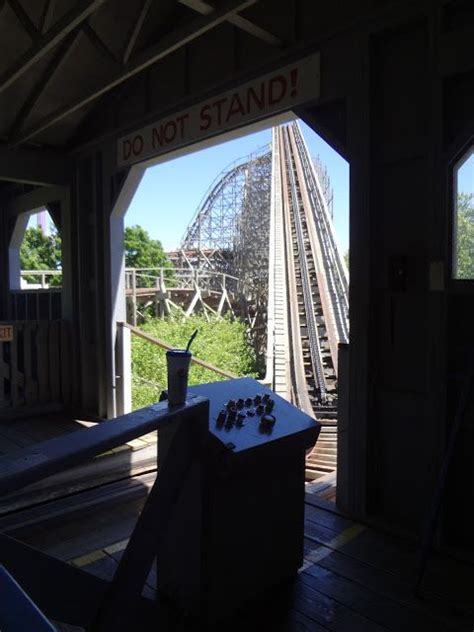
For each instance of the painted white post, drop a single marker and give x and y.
(123, 370)
(134, 297)
(14, 266)
(121, 387)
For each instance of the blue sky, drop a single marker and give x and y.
(170, 192)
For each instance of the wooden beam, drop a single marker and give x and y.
(204, 8)
(164, 345)
(168, 44)
(33, 166)
(24, 19)
(99, 43)
(42, 196)
(136, 30)
(25, 466)
(45, 79)
(80, 12)
(47, 16)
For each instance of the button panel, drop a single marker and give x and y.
(236, 413)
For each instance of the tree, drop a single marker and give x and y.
(221, 341)
(346, 259)
(41, 252)
(141, 251)
(465, 236)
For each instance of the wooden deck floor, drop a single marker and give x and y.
(353, 578)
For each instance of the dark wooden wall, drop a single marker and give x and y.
(397, 100)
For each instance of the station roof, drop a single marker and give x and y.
(63, 63)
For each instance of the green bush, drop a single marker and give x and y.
(221, 342)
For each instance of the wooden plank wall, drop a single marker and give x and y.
(41, 304)
(35, 367)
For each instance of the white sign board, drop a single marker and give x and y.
(274, 93)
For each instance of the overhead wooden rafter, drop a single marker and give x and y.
(45, 79)
(168, 44)
(47, 16)
(98, 43)
(45, 43)
(136, 30)
(205, 8)
(33, 166)
(24, 19)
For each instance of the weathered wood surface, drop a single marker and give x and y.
(354, 578)
(28, 465)
(35, 367)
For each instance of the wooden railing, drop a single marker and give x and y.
(123, 368)
(35, 366)
(163, 345)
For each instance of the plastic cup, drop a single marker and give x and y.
(177, 361)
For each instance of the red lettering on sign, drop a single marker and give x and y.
(170, 131)
(127, 149)
(157, 136)
(206, 118)
(217, 105)
(258, 99)
(236, 107)
(276, 89)
(137, 145)
(181, 119)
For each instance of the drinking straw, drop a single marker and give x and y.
(191, 339)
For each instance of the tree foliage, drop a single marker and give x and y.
(41, 252)
(346, 259)
(141, 251)
(222, 342)
(465, 236)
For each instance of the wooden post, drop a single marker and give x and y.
(134, 297)
(123, 369)
(157, 297)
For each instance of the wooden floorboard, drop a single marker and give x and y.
(354, 576)
(379, 609)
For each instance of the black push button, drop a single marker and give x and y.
(269, 406)
(221, 418)
(240, 419)
(267, 421)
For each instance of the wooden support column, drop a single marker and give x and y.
(5, 231)
(84, 240)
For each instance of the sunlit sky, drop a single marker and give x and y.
(170, 193)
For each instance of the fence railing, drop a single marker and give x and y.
(124, 367)
(39, 279)
(184, 278)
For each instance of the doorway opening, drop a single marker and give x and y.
(35, 267)
(224, 233)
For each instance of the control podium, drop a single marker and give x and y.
(237, 527)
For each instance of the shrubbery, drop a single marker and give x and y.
(221, 342)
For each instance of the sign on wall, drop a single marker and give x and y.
(271, 94)
(6, 333)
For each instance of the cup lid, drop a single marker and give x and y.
(178, 353)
